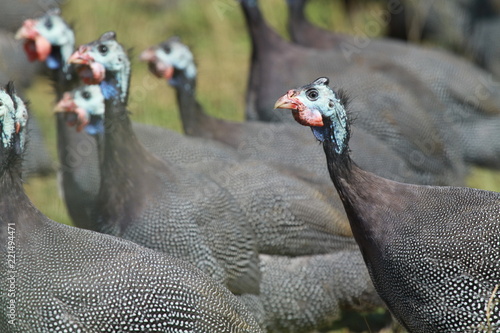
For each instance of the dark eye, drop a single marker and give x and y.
(48, 23)
(1, 103)
(312, 94)
(86, 95)
(103, 49)
(167, 49)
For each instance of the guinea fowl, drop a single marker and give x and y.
(299, 293)
(432, 252)
(14, 67)
(279, 144)
(49, 38)
(470, 96)
(59, 278)
(397, 116)
(247, 208)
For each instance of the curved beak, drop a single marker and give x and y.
(156, 67)
(18, 127)
(302, 114)
(81, 56)
(66, 104)
(287, 101)
(148, 55)
(36, 46)
(90, 72)
(27, 30)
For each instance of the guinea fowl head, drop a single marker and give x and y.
(48, 38)
(13, 120)
(87, 103)
(105, 62)
(168, 59)
(318, 106)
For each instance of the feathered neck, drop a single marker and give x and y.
(358, 189)
(17, 214)
(10, 172)
(296, 11)
(335, 134)
(262, 35)
(129, 173)
(115, 86)
(192, 113)
(304, 33)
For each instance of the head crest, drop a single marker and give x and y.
(110, 35)
(322, 81)
(11, 91)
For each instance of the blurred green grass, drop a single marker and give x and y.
(216, 33)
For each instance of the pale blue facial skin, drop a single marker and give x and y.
(57, 32)
(179, 57)
(91, 99)
(111, 55)
(329, 105)
(21, 116)
(7, 118)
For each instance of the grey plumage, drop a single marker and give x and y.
(432, 252)
(397, 116)
(470, 97)
(77, 150)
(309, 293)
(282, 145)
(57, 278)
(228, 214)
(466, 27)
(341, 277)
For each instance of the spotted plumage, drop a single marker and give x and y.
(57, 278)
(470, 97)
(433, 252)
(393, 105)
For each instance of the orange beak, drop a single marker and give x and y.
(18, 127)
(156, 67)
(81, 56)
(287, 101)
(66, 104)
(36, 46)
(90, 72)
(300, 112)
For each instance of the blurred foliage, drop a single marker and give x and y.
(216, 33)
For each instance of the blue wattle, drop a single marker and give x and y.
(319, 132)
(108, 90)
(95, 126)
(52, 62)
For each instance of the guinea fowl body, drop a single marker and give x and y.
(310, 293)
(397, 116)
(279, 144)
(226, 216)
(470, 96)
(60, 278)
(77, 150)
(337, 278)
(432, 252)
